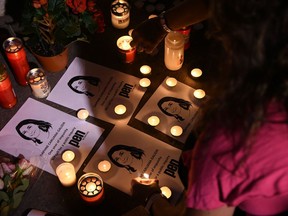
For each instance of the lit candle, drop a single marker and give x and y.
(176, 130)
(146, 175)
(145, 69)
(130, 32)
(104, 166)
(166, 192)
(38, 82)
(82, 114)
(16, 56)
(66, 174)
(199, 93)
(90, 187)
(144, 82)
(153, 120)
(126, 51)
(120, 14)
(196, 72)
(171, 82)
(120, 109)
(68, 155)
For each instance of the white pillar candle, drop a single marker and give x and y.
(171, 82)
(66, 174)
(120, 109)
(199, 93)
(196, 72)
(166, 192)
(68, 155)
(145, 69)
(120, 14)
(144, 82)
(176, 130)
(82, 114)
(104, 166)
(153, 120)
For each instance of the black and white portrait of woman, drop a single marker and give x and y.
(128, 157)
(84, 85)
(175, 107)
(34, 130)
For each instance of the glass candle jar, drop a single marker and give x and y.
(120, 14)
(38, 82)
(174, 50)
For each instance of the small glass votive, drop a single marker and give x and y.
(126, 51)
(38, 82)
(90, 187)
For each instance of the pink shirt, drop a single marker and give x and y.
(260, 183)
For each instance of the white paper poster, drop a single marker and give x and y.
(174, 106)
(98, 89)
(41, 132)
(133, 153)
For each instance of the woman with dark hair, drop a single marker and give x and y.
(123, 156)
(83, 84)
(30, 129)
(172, 106)
(241, 156)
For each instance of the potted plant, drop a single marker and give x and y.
(51, 25)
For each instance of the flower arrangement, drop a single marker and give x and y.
(50, 25)
(14, 181)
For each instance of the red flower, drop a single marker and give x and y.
(77, 6)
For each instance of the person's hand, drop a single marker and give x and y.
(148, 35)
(142, 189)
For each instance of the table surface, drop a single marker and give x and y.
(47, 193)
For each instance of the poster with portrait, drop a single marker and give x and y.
(98, 89)
(42, 133)
(132, 153)
(174, 106)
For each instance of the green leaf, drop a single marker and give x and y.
(5, 210)
(17, 198)
(22, 187)
(4, 196)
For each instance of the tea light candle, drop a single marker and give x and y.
(68, 155)
(104, 166)
(90, 187)
(196, 72)
(144, 82)
(145, 69)
(82, 114)
(120, 109)
(66, 174)
(176, 130)
(126, 50)
(171, 82)
(153, 120)
(199, 93)
(166, 192)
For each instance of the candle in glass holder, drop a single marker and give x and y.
(166, 191)
(199, 93)
(145, 69)
(104, 166)
(120, 14)
(144, 82)
(196, 72)
(16, 56)
(127, 52)
(68, 155)
(153, 120)
(120, 109)
(66, 174)
(171, 82)
(38, 82)
(90, 187)
(176, 130)
(8, 97)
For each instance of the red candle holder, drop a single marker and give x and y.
(126, 51)
(90, 187)
(7, 95)
(16, 55)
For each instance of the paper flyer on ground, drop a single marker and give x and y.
(133, 153)
(174, 106)
(41, 133)
(98, 89)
